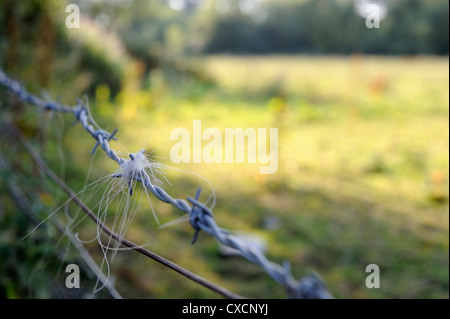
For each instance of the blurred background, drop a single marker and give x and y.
(363, 119)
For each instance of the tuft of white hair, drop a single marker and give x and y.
(126, 179)
(135, 168)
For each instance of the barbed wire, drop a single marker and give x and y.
(200, 216)
(78, 201)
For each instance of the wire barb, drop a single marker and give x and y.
(197, 214)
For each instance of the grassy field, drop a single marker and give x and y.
(362, 176)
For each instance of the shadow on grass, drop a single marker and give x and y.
(337, 236)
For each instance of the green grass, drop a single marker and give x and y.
(362, 177)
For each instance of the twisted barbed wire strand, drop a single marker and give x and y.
(200, 216)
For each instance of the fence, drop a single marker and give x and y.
(200, 216)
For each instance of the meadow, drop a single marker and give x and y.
(362, 175)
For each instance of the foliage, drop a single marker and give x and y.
(323, 26)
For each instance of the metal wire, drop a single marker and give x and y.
(200, 216)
